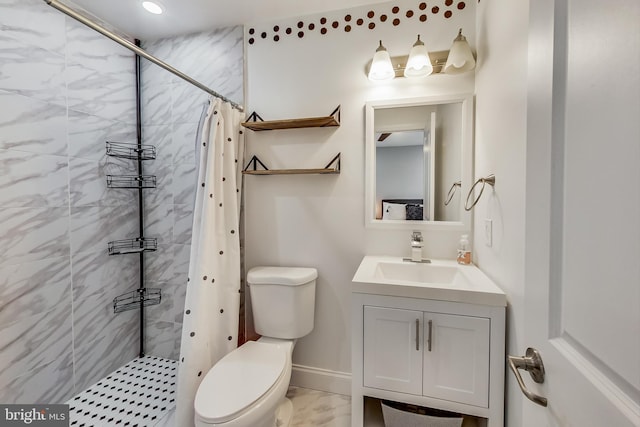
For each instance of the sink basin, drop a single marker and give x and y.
(444, 280)
(414, 272)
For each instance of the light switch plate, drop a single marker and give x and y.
(488, 232)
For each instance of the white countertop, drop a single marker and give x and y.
(470, 285)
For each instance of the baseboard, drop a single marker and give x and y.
(321, 379)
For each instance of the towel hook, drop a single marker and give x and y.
(452, 192)
(491, 180)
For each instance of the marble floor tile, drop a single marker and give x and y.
(319, 408)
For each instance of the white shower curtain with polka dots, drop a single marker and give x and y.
(210, 325)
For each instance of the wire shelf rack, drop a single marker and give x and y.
(125, 150)
(131, 181)
(132, 246)
(136, 299)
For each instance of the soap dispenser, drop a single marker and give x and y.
(464, 250)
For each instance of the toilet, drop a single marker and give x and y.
(247, 387)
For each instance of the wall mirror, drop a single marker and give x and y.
(418, 162)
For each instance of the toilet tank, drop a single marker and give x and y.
(282, 300)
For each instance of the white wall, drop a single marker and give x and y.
(317, 220)
(400, 172)
(448, 155)
(500, 144)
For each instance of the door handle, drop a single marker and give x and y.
(417, 334)
(532, 363)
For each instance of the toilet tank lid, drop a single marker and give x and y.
(290, 276)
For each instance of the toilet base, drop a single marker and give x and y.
(284, 413)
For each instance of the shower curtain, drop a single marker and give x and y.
(212, 303)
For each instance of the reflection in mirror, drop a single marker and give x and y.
(416, 150)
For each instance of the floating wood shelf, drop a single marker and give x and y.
(332, 168)
(255, 122)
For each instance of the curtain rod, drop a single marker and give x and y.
(138, 51)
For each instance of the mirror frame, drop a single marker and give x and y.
(464, 224)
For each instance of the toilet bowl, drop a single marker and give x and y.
(247, 387)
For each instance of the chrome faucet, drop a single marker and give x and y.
(416, 246)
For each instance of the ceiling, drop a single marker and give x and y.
(189, 16)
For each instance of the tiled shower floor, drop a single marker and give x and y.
(139, 394)
(142, 394)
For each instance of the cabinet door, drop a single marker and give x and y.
(393, 349)
(456, 361)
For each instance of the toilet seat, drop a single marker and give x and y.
(257, 366)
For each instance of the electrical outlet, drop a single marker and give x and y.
(488, 232)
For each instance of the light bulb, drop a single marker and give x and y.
(381, 67)
(419, 63)
(460, 57)
(152, 7)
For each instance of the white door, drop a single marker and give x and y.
(582, 262)
(392, 349)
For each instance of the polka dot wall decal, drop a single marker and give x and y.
(371, 25)
(300, 34)
(395, 9)
(220, 204)
(396, 22)
(347, 18)
(289, 30)
(193, 334)
(360, 21)
(409, 13)
(461, 5)
(383, 18)
(233, 231)
(435, 9)
(423, 18)
(204, 278)
(312, 26)
(199, 373)
(211, 196)
(221, 311)
(224, 179)
(300, 24)
(251, 31)
(448, 14)
(276, 28)
(335, 24)
(221, 252)
(229, 337)
(323, 30)
(323, 21)
(347, 28)
(204, 144)
(422, 6)
(203, 184)
(370, 14)
(263, 35)
(213, 280)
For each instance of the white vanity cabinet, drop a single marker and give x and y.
(427, 353)
(438, 354)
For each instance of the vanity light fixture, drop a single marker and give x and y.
(460, 59)
(420, 62)
(381, 67)
(153, 7)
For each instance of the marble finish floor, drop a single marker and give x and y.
(311, 408)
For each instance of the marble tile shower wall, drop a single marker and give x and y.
(64, 91)
(170, 115)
